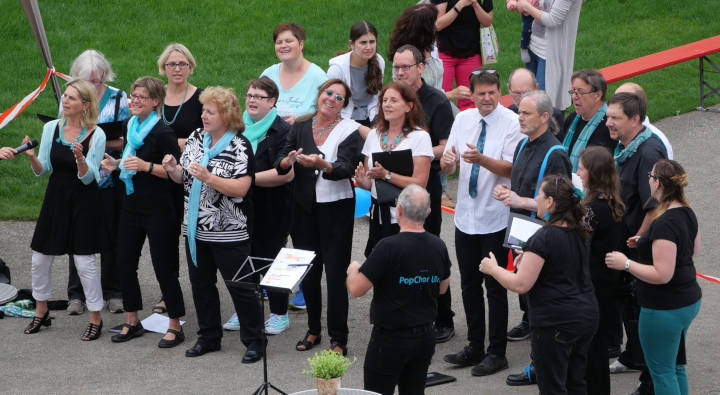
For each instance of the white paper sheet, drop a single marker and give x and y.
(157, 323)
(521, 230)
(288, 268)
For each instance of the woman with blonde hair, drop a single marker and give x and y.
(71, 219)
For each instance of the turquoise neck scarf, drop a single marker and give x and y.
(621, 155)
(582, 140)
(256, 131)
(194, 198)
(135, 139)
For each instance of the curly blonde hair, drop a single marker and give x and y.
(227, 104)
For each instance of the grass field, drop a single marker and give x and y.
(232, 43)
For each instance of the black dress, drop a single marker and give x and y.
(71, 219)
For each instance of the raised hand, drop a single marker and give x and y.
(109, 164)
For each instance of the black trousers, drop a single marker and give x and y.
(560, 358)
(161, 230)
(433, 224)
(226, 258)
(109, 269)
(470, 250)
(597, 373)
(399, 358)
(269, 247)
(328, 231)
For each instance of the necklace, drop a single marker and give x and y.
(319, 131)
(168, 123)
(61, 137)
(384, 140)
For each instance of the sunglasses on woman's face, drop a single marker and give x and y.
(334, 95)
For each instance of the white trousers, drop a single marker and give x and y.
(87, 270)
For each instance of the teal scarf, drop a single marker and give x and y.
(256, 131)
(135, 139)
(194, 199)
(621, 155)
(582, 140)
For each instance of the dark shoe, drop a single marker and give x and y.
(254, 353)
(340, 348)
(92, 332)
(133, 331)
(158, 308)
(526, 377)
(613, 351)
(443, 333)
(520, 332)
(179, 338)
(490, 365)
(468, 356)
(201, 348)
(37, 322)
(305, 344)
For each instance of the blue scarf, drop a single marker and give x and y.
(582, 140)
(135, 139)
(256, 131)
(194, 199)
(621, 155)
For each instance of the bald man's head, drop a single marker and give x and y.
(521, 81)
(631, 87)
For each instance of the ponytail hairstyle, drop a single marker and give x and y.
(568, 205)
(603, 179)
(671, 175)
(374, 76)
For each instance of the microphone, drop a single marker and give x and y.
(29, 145)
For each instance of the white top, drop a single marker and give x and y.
(418, 141)
(661, 136)
(483, 214)
(340, 68)
(327, 191)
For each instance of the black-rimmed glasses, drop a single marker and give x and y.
(255, 97)
(404, 67)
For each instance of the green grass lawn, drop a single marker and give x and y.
(232, 43)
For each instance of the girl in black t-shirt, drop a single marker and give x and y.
(553, 270)
(668, 292)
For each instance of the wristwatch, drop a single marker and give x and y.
(387, 176)
(627, 265)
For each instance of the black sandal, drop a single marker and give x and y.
(179, 338)
(37, 322)
(305, 344)
(342, 346)
(92, 332)
(136, 330)
(158, 308)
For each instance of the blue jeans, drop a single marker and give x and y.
(537, 66)
(660, 332)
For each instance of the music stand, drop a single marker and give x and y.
(237, 282)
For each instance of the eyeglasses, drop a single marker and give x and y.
(578, 92)
(403, 67)
(332, 94)
(516, 94)
(489, 71)
(174, 65)
(139, 99)
(651, 175)
(255, 97)
(98, 81)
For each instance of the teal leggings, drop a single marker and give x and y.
(660, 332)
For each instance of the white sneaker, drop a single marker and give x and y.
(618, 367)
(233, 323)
(276, 324)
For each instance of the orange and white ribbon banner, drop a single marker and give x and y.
(15, 110)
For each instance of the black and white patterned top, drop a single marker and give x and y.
(221, 219)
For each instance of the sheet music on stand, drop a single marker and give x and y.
(288, 269)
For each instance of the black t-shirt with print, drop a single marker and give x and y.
(406, 270)
(461, 38)
(678, 225)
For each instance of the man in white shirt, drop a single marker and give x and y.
(482, 142)
(631, 87)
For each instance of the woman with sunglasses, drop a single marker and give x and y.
(145, 210)
(322, 149)
(296, 77)
(399, 126)
(553, 270)
(361, 69)
(667, 290)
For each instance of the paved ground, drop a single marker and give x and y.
(56, 361)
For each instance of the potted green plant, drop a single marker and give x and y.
(328, 368)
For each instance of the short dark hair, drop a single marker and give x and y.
(265, 84)
(631, 103)
(293, 28)
(417, 55)
(593, 78)
(484, 76)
